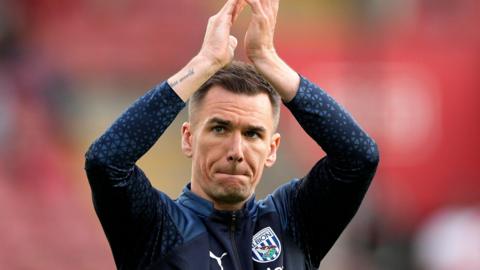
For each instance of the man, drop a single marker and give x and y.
(230, 137)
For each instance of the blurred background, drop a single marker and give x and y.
(408, 70)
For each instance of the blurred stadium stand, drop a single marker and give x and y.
(408, 71)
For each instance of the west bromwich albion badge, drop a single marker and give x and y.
(266, 246)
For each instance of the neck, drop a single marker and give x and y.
(217, 204)
(227, 206)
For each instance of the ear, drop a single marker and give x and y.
(272, 156)
(187, 139)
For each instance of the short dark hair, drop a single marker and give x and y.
(239, 78)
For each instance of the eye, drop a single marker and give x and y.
(252, 134)
(218, 129)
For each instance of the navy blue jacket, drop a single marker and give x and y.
(293, 228)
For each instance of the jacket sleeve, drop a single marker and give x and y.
(324, 201)
(127, 205)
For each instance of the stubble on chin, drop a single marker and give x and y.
(229, 195)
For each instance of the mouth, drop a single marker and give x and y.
(231, 174)
(226, 175)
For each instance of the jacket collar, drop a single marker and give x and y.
(205, 208)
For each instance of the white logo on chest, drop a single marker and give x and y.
(266, 246)
(218, 259)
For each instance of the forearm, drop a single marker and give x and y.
(136, 130)
(192, 76)
(281, 76)
(326, 121)
(347, 145)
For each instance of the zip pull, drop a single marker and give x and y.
(234, 222)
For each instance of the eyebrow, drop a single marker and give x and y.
(220, 121)
(223, 122)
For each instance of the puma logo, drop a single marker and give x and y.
(218, 259)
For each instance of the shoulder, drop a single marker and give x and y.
(183, 220)
(279, 201)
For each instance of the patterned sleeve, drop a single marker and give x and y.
(126, 203)
(325, 200)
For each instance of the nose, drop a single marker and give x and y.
(235, 148)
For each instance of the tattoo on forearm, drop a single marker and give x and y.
(189, 73)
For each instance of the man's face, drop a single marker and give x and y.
(230, 139)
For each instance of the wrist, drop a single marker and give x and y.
(266, 61)
(280, 75)
(212, 61)
(265, 56)
(192, 76)
(209, 65)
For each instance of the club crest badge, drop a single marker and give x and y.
(266, 246)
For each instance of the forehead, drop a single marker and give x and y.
(241, 108)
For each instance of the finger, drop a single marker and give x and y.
(275, 5)
(232, 45)
(238, 9)
(229, 7)
(233, 42)
(270, 7)
(256, 6)
(266, 4)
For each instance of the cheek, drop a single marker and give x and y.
(209, 151)
(257, 157)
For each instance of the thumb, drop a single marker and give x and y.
(232, 42)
